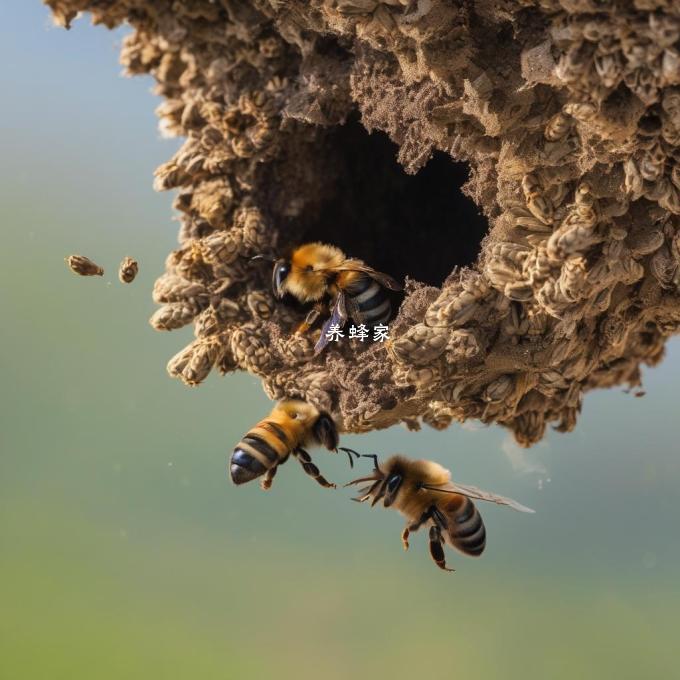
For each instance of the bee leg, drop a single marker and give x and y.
(311, 318)
(437, 548)
(268, 478)
(311, 469)
(439, 519)
(414, 526)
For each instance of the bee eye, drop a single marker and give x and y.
(393, 483)
(279, 274)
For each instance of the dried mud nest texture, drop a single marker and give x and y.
(567, 113)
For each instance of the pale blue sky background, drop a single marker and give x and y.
(126, 553)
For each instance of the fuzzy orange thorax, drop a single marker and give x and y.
(311, 265)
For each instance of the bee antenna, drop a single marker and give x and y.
(375, 459)
(348, 452)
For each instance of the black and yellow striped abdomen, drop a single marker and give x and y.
(261, 449)
(466, 530)
(371, 299)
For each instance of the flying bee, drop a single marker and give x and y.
(290, 426)
(424, 493)
(315, 271)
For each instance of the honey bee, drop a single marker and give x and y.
(286, 430)
(317, 270)
(423, 492)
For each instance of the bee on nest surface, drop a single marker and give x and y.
(315, 271)
(424, 493)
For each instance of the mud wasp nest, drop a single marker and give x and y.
(568, 115)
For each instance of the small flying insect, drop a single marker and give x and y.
(424, 493)
(315, 271)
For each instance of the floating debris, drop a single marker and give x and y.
(128, 270)
(83, 266)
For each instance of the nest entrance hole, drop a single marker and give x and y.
(418, 225)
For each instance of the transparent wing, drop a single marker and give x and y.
(338, 316)
(480, 494)
(358, 266)
(382, 279)
(340, 309)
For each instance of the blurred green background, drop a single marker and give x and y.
(126, 553)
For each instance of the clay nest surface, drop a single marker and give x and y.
(516, 161)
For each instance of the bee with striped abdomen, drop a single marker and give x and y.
(423, 492)
(317, 270)
(290, 426)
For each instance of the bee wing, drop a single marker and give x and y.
(480, 494)
(383, 279)
(338, 316)
(340, 308)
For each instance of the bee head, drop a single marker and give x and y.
(386, 482)
(326, 432)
